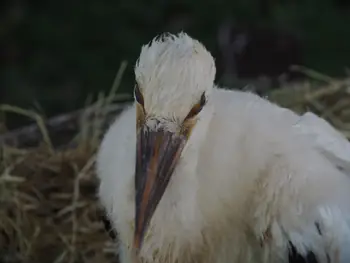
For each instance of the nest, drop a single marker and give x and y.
(49, 211)
(327, 97)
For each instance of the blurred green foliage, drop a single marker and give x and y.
(58, 52)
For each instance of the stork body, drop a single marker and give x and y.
(247, 185)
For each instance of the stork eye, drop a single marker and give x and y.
(138, 95)
(197, 107)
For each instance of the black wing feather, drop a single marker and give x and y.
(295, 257)
(108, 227)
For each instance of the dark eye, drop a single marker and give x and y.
(138, 95)
(197, 107)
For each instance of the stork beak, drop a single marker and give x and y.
(157, 155)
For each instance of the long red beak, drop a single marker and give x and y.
(157, 155)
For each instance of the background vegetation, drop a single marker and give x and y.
(55, 53)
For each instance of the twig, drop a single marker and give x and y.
(116, 82)
(312, 73)
(75, 199)
(30, 135)
(31, 114)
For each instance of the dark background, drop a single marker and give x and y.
(53, 54)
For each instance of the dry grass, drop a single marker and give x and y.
(323, 95)
(48, 205)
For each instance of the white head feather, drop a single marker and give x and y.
(172, 72)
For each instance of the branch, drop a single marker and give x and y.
(64, 126)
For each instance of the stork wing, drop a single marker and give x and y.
(325, 138)
(336, 148)
(333, 145)
(330, 142)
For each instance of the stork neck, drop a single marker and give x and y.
(189, 159)
(182, 194)
(200, 131)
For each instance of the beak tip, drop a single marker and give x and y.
(137, 243)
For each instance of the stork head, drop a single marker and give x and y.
(174, 78)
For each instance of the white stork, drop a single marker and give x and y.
(191, 173)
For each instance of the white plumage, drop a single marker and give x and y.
(253, 183)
